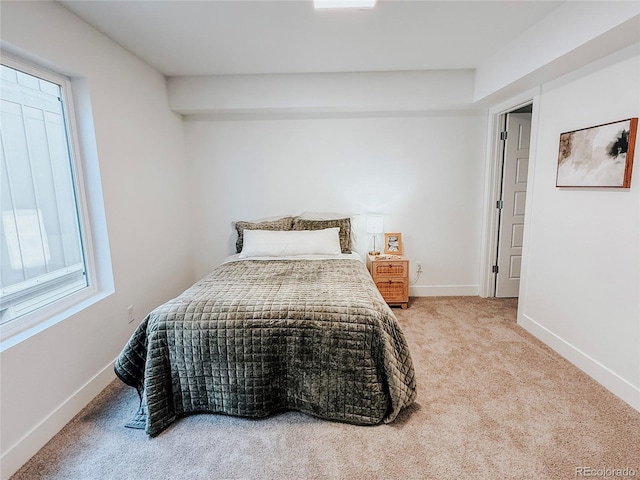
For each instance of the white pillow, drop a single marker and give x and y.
(274, 243)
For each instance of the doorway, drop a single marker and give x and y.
(515, 138)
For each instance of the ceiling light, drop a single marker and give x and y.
(318, 4)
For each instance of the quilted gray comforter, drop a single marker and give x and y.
(254, 337)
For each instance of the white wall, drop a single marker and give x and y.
(422, 172)
(46, 379)
(581, 278)
(405, 91)
(572, 35)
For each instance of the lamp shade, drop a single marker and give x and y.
(374, 224)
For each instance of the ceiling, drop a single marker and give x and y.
(183, 37)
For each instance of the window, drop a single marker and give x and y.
(43, 249)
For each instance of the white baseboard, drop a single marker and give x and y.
(444, 291)
(601, 374)
(19, 453)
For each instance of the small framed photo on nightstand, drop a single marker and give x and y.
(393, 243)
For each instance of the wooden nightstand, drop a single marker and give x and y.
(391, 275)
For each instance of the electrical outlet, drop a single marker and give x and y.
(419, 267)
(130, 315)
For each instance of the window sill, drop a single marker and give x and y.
(16, 332)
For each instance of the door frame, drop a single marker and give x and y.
(493, 180)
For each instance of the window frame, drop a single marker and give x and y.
(31, 323)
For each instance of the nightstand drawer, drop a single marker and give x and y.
(389, 269)
(393, 290)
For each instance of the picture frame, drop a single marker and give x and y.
(599, 156)
(393, 243)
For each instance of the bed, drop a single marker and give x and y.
(264, 333)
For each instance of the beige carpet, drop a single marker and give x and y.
(493, 403)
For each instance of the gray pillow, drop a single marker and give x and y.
(284, 223)
(343, 223)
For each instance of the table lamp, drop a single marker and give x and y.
(374, 227)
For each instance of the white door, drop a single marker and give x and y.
(514, 191)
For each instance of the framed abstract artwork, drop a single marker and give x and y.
(600, 156)
(393, 243)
